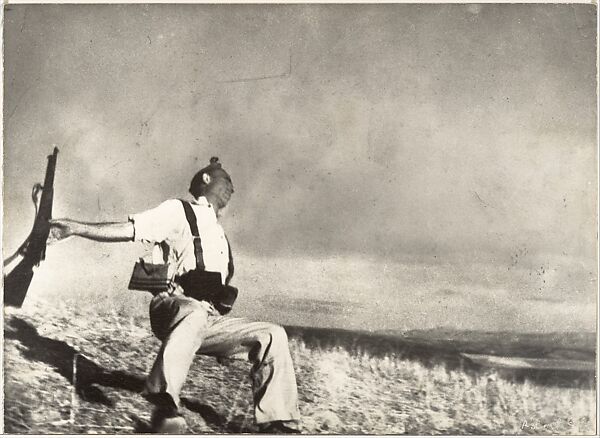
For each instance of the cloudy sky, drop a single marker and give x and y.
(378, 129)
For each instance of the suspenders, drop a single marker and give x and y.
(191, 218)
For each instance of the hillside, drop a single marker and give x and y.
(343, 388)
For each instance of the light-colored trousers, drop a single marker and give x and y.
(187, 326)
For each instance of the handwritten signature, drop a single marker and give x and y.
(537, 424)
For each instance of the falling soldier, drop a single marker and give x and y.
(190, 316)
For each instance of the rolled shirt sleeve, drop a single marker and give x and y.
(157, 224)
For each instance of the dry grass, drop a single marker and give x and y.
(340, 391)
(364, 394)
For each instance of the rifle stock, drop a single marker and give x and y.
(17, 282)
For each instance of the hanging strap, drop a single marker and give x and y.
(191, 218)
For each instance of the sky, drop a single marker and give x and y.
(381, 130)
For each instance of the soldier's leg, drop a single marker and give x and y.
(180, 322)
(265, 345)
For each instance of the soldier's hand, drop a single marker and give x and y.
(60, 229)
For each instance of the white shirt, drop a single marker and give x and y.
(168, 223)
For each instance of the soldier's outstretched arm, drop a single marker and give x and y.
(61, 229)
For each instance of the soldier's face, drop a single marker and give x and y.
(221, 188)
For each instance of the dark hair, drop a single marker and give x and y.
(197, 185)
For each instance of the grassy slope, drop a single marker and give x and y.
(367, 386)
(341, 391)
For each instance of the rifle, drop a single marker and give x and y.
(33, 250)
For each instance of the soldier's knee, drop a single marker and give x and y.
(272, 344)
(277, 338)
(272, 335)
(189, 316)
(278, 334)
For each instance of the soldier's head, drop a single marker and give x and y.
(214, 183)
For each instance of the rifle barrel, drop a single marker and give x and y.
(41, 227)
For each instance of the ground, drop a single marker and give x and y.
(345, 386)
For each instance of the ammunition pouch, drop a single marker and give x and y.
(149, 277)
(208, 286)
